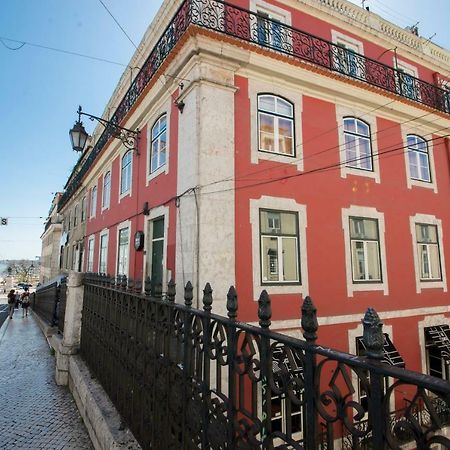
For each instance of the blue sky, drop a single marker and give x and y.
(41, 90)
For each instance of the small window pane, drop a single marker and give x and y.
(413, 168)
(270, 264)
(362, 128)
(158, 228)
(350, 125)
(267, 132)
(266, 103)
(290, 259)
(435, 265)
(373, 261)
(284, 108)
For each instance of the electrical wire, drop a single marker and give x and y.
(59, 50)
(333, 166)
(12, 48)
(118, 24)
(304, 158)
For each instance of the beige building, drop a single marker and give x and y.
(51, 239)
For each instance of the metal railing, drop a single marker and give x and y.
(184, 378)
(263, 32)
(49, 302)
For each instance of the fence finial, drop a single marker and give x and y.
(131, 284)
(264, 310)
(373, 337)
(188, 296)
(148, 286)
(309, 320)
(232, 303)
(171, 290)
(124, 282)
(138, 287)
(207, 298)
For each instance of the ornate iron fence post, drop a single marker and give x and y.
(264, 315)
(310, 325)
(373, 339)
(207, 306)
(232, 308)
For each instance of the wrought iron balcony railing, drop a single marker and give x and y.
(263, 32)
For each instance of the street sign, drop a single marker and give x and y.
(4, 221)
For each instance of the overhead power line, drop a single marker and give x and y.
(118, 24)
(59, 50)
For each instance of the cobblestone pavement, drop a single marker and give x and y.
(35, 413)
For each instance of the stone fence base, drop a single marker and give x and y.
(100, 417)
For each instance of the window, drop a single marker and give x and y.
(419, 164)
(158, 150)
(93, 201)
(156, 231)
(106, 190)
(126, 173)
(69, 220)
(437, 345)
(122, 252)
(103, 256)
(75, 216)
(90, 255)
(270, 30)
(279, 247)
(357, 142)
(74, 257)
(347, 61)
(275, 125)
(406, 82)
(83, 209)
(286, 415)
(365, 250)
(428, 252)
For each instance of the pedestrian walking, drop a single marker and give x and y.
(11, 303)
(25, 302)
(17, 296)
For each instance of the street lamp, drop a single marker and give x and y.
(78, 134)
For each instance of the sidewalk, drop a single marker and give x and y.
(35, 412)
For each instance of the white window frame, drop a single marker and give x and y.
(158, 140)
(164, 108)
(90, 254)
(282, 204)
(130, 188)
(93, 202)
(276, 118)
(343, 112)
(280, 239)
(106, 201)
(367, 213)
(103, 233)
(286, 92)
(155, 213)
(424, 284)
(122, 226)
(349, 43)
(410, 182)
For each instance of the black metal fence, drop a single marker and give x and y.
(184, 378)
(49, 302)
(261, 31)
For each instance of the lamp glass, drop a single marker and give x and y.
(78, 136)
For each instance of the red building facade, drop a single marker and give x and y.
(304, 164)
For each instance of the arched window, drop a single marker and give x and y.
(418, 159)
(158, 148)
(106, 190)
(275, 125)
(357, 141)
(126, 173)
